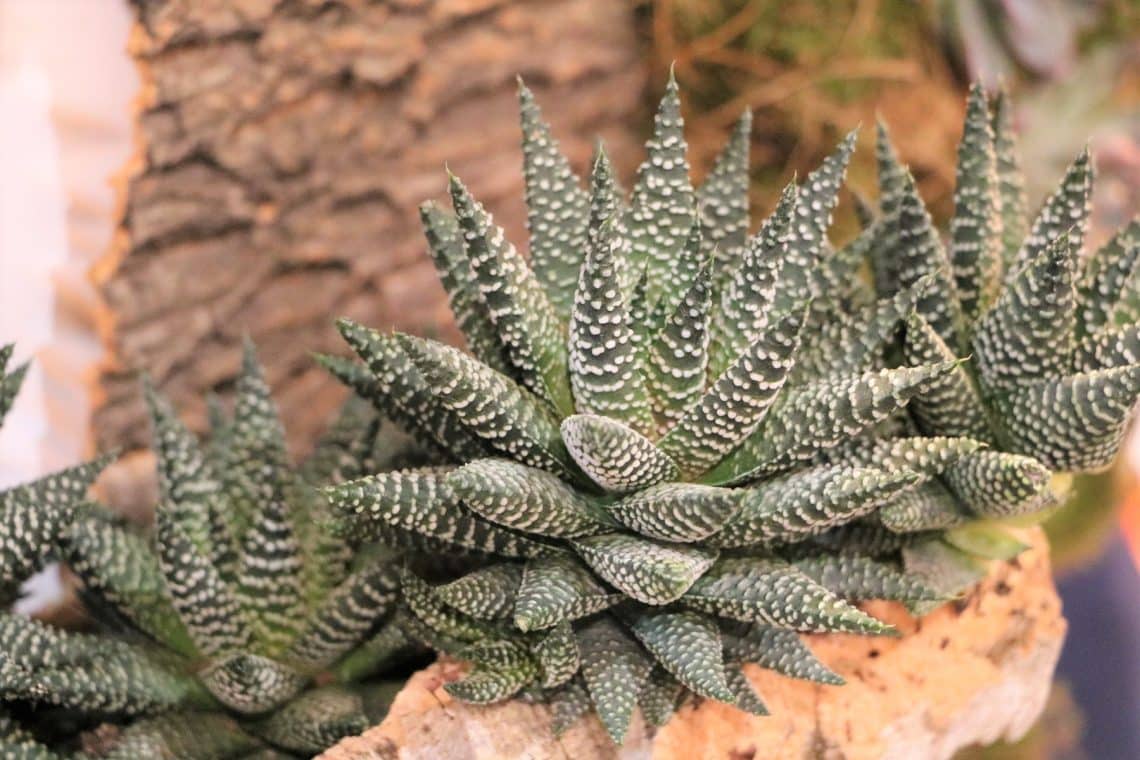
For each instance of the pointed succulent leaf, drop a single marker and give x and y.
(682, 512)
(749, 286)
(346, 616)
(744, 695)
(860, 578)
(998, 484)
(207, 605)
(737, 402)
(424, 604)
(556, 207)
(557, 656)
(125, 572)
(486, 594)
(315, 721)
(650, 572)
(1108, 348)
(527, 325)
(10, 382)
(603, 355)
(678, 355)
(1029, 333)
(773, 592)
(662, 209)
(975, 228)
(1110, 273)
(422, 502)
(374, 653)
(525, 499)
(824, 414)
(616, 457)
(688, 646)
(928, 506)
(504, 415)
(1011, 181)
(568, 704)
(501, 669)
(951, 405)
(722, 199)
(776, 649)
(809, 502)
(445, 244)
(558, 589)
(183, 734)
(1066, 211)
(885, 262)
(985, 541)
(807, 233)
(250, 683)
(1084, 419)
(925, 456)
(659, 696)
(615, 668)
(867, 538)
(942, 567)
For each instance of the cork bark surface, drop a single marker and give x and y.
(975, 671)
(282, 148)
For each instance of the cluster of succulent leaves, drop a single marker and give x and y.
(239, 628)
(674, 446)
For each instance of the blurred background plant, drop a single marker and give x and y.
(812, 68)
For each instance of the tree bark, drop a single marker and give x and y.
(972, 672)
(282, 149)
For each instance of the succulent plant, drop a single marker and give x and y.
(33, 514)
(671, 442)
(224, 634)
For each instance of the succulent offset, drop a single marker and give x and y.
(673, 446)
(240, 625)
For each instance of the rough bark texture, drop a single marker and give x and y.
(282, 149)
(972, 672)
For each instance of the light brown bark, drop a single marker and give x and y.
(972, 672)
(282, 149)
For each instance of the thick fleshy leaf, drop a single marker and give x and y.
(10, 382)
(1065, 211)
(722, 199)
(604, 372)
(401, 394)
(196, 734)
(556, 590)
(568, 704)
(775, 649)
(207, 605)
(558, 656)
(975, 228)
(250, 683)
(860, 578)
(616, 457)
(677, 357)
(659, 696)
(615, 668)
(985, 541)
(445, 244)
(423, 603)
(809, 502)
(487, 593)
(1084, 421)
(947, 570)
(683, 512)
(346, 616)
(999, 484)
(688, 646)
(503, 414)
(525, 499)
(1108, 348)
(749, 287)
(1011, 181)
(1029, 333)
(744, 696)
(527, 325)
(315, 721)
(951, 405)
(556, 207)
(771, 591)
(269, 580)
(821, 415)
(501, 669)
(663, 204)
(929, 506)
(885, 262)
(737, 402)
(1110, 273)
(650, 572)
(422, 502)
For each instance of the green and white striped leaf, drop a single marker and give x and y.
(650, 572)
(1065, 211)
(1111, 273)
(556, 590)
(928, 506)
(1011, 182)
(688, 646)
(568, 704)
(659, 696)
(885, 261)
(616, 457)
(998, 484)
(488, 593)
(771, 591)
(677, 357)
(502, 668)
(682, 512)
(744, 696)
(557, 655)
(615, 668)
(860, 578)
(722, 199)
(951, 405)
(775, 649)
(315, 720)
(527, 325)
